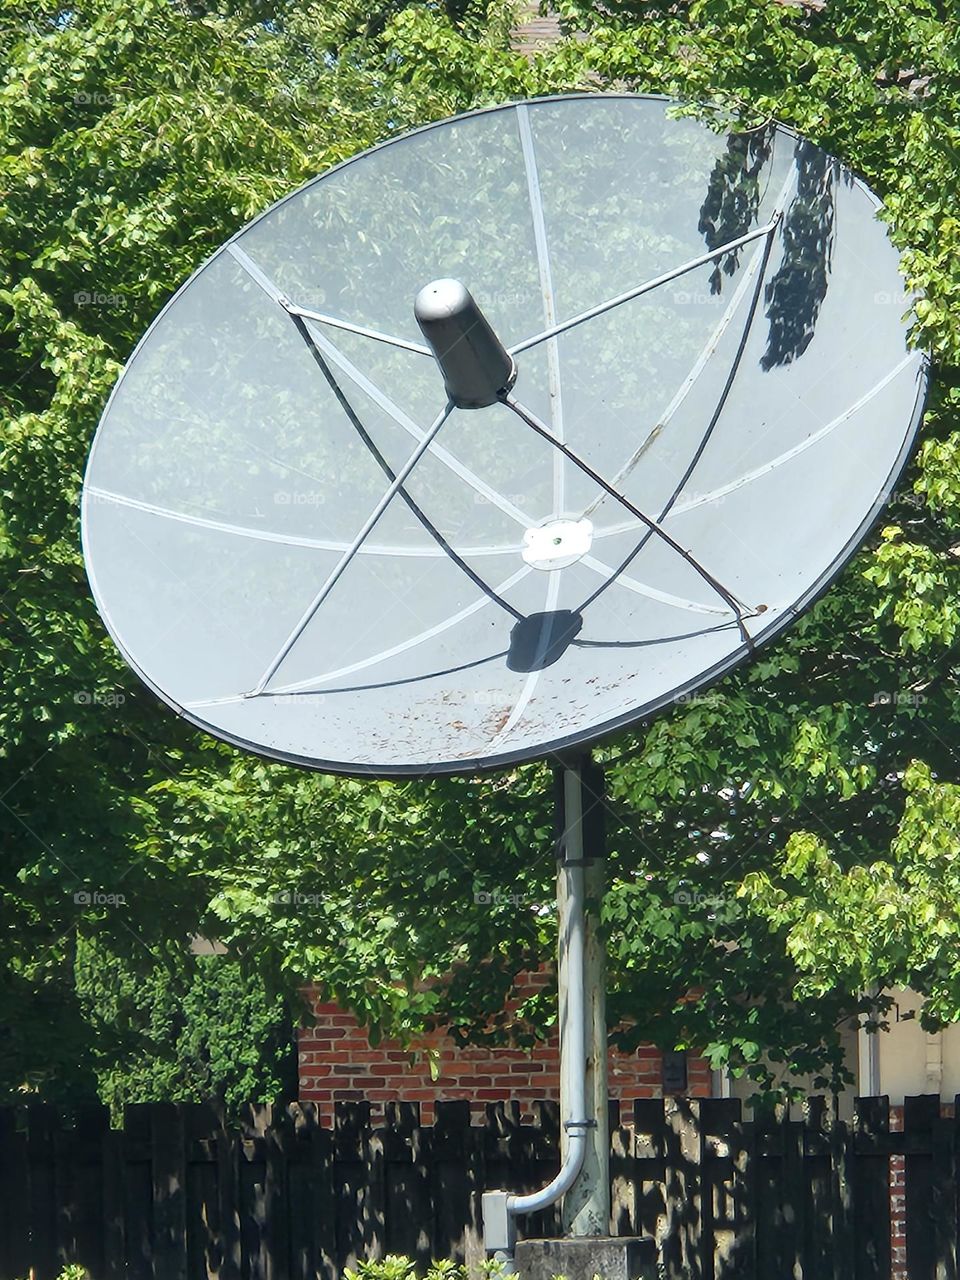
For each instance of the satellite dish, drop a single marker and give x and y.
(502, 436)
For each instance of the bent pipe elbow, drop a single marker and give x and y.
(569, 1170)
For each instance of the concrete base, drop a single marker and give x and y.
(583, 1257)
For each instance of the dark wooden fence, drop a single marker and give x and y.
(175, 1196)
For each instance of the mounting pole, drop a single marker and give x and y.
(583, 1180)
(586, 1206)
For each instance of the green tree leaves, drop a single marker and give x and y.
(777, 843)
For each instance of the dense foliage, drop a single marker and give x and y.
(397, 1267)
(778, 845)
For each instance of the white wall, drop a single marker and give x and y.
(913, 1061)
(906, 1060)
(743, 1087)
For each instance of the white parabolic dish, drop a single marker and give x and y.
(713, 447)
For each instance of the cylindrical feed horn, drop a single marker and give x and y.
(476, 367)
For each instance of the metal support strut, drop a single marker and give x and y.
(583, 1176)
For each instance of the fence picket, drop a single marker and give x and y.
(252, 1194)
(793, 1197)
(841, 1200)
(202, 1205)
(355, 1191)
(456, 1181)
(322, 1203)
(722, 1181)
(768, 1155)
(43, 1123)
(408, 1207)
(944, 1200)
(89, 1186)
(167, 1145)
(920, 1117)
(688, 1234)
(227, 1239)
(623, 1204)
(746, 1256)
(14, 1197)
(278, 1138)
(816, 1163)
(137, 1192)
(649, 1178)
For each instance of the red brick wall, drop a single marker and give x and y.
(338, 1064)
(533, 32)
(898, 1211)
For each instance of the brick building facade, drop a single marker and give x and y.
(533, 30)
(338, 1063)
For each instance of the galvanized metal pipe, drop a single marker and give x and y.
(500, 1208)
(573, 1026)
